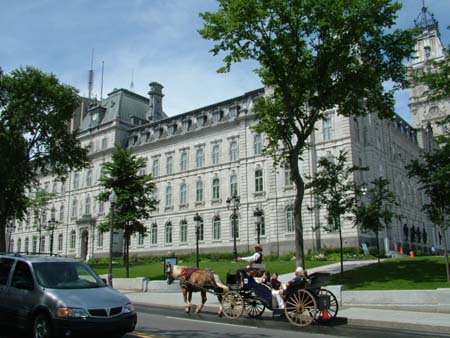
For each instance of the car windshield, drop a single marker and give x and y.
(66, 275)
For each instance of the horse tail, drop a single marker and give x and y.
(218, 283)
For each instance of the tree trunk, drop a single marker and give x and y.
(300, 185)
(378, 245)
(3, 222)
(447, 267)
(338, 222)
(127, 261)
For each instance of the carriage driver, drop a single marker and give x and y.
(254, 259)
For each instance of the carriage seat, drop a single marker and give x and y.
(257, 270)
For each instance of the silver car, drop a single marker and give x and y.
(53, 296)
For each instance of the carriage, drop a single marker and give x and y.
(304, 303)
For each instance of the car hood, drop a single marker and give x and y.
(92, 298)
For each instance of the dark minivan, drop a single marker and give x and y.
(52, 296)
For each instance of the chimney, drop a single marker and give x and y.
(155, 111)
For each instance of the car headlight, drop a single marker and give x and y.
(68, 312)
(128, 308)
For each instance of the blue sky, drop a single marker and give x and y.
(157, 40)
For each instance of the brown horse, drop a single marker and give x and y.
(196, 280)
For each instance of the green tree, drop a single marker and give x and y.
(124, 175)
(313, 55)
(35, 109)
(433, 172)
(377, 214)
(334, 189)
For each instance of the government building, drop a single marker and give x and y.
(201, 158)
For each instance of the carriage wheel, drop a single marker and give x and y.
(233, 305)
(254, 307)
(301, 308)
(331, 312)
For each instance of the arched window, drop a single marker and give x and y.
(76, 180)
(74, 208)
(155, 168)
(19, 245)
(199, 191)
(140, 239)
(60, 242)
(168, 233)
(42, 249)
(216, 154)
(34, 248)
(200, 158)
(99, 238)
(87, 205)
(154, 234)
(216, 189)
(89, 178)
(259, 183)
(234, 226)
(169, 165)
(233, 185)
(290, 222)
(327, 127)
(257, 144)
(288, 175)
(183, 231)
(183, 194)
(61, 213)
(168, 196)
(25, 248)
(216, 228)
(73, 238)
(184, 161)
(234, 154)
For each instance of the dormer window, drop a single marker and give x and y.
(201, 120)
(173, 128)
(187, 125)
(217, 116)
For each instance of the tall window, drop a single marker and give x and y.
(87, 206)
(259, 184)
(327, 127)
(60, 242)
(19, 245)
(183, 231)
(54, 187)
(168, 196)
(200, 158)
(234, 155)
(76, 179)
(201, 232)
(183, 194)
(34, 245)
(216, 228)
(184, 161)
(216, 154)
(89, 178)
(168, 233)
(234, 226)
(154, 234)
(140, 239)
(199, 191)
(216, 189)
(63, 187)
(290, 224)
(74, 208)
(356, 124)
(73, 238)
(169, 165)
(99, 238)
(42, 244)
(257, 144)
(101, 207)
(262, 226)
(233, 185)
(26, 245)
(61, 213)
(287, 175)
(155, 168)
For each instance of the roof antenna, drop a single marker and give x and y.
(91, 76)
(132, 83)
(101, 87)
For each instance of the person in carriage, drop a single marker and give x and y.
(300, 277)
(254, 261)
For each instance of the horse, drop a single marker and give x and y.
(196, 280)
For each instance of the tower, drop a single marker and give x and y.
(155, 111)
(429, 49)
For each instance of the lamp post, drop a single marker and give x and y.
(112, 201)
(51, 226)
(197, 220)
(258, 214)
(233, 202)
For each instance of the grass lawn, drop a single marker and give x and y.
(155, 271)
(418, 273)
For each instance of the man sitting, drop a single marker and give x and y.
(255, 261)
(299, 278)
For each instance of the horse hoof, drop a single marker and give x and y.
(220, 314)
(187, 310)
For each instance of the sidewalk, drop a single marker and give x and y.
(159, 293)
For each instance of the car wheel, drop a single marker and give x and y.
(42, 327)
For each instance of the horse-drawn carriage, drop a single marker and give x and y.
(305, 302)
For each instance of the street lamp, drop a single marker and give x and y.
(233, 202)
(197, 220)
(258, 214)
(112, 201)
(51, 226)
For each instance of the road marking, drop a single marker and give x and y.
(143, 335)
(226, 324)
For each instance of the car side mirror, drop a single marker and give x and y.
(24, 285)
